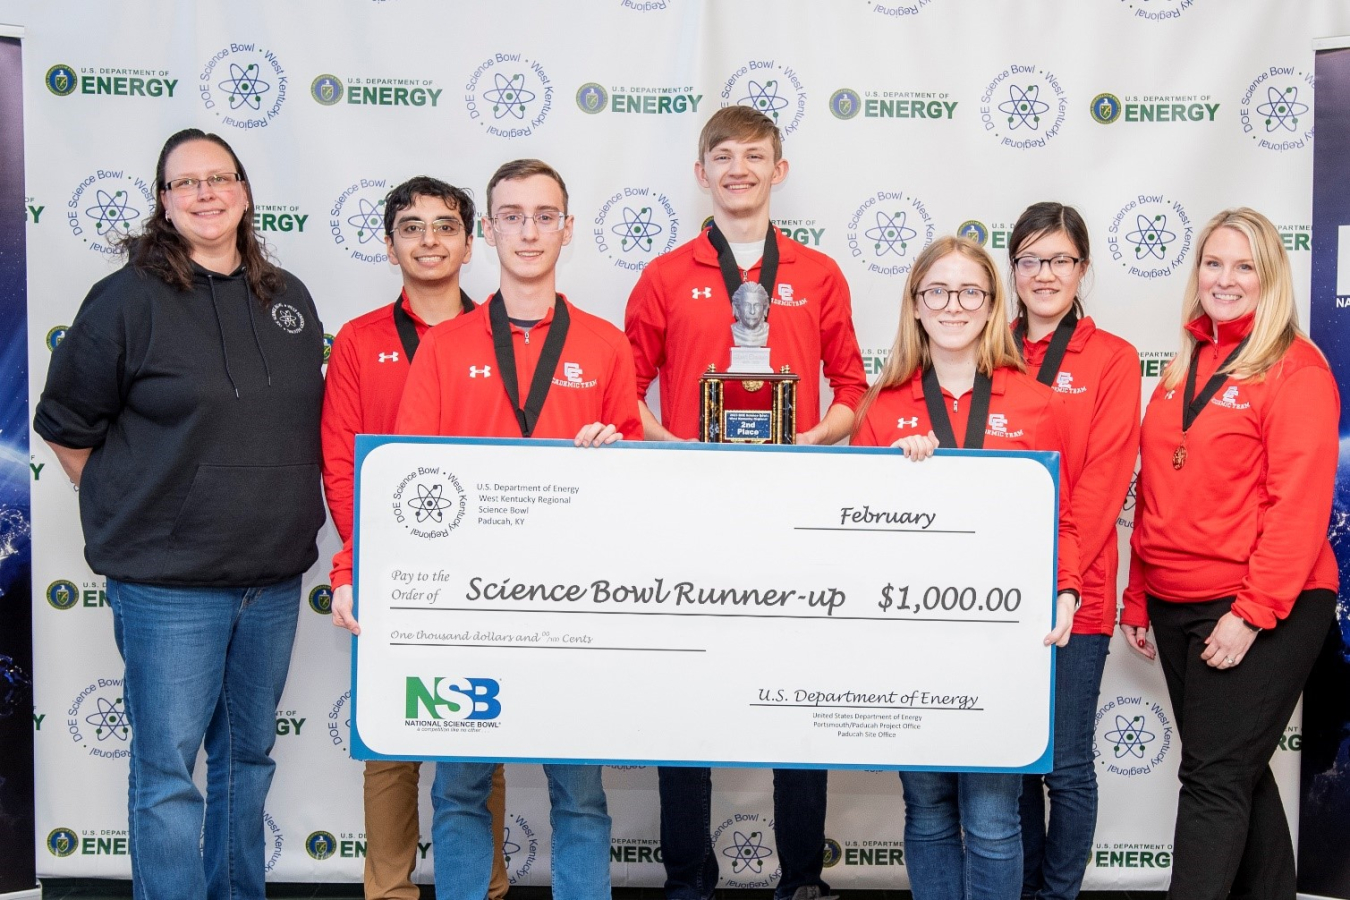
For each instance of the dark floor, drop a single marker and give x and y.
(107, 889)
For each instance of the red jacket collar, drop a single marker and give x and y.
(1076, 344)
(407, 308)
(542, 323)
(705, 253)
(1231, 333)
(997, 386)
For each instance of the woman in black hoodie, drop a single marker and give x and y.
(184, 403)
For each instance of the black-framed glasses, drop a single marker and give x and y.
(1062, 264)
(218, 181)
(413, 229)
(512, 223)
(937, 298)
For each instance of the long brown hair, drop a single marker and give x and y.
(160, 250)
(909, 353)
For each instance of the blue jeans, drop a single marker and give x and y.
(939, 807)
(686, 841)
(1054, 857)
(201, 664)
(461, 831)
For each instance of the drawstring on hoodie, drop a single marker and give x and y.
(224, 352)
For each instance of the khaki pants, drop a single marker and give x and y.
(391, 830)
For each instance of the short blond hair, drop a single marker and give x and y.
(739, 123)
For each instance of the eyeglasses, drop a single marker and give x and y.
(513, 223)
(218, 181)
(413, 229)
(1060, 265)
(936, 298)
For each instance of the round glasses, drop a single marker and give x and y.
(937, 298)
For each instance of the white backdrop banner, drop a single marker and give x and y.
(904, 119)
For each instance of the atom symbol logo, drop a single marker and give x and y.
(109, 720)
(428, 503)
(509, 847)
(891, 234)
(111, 211)
(367, 220)
(1024, 107)
(764, 97)
(637, 229)
(508, 95)
(1282, 109)
(243, 87)
(1130, 737)
(1150, 238)
(287, 318)
(747, 852)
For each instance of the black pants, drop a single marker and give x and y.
(1231, 832)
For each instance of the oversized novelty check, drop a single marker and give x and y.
(719, 605)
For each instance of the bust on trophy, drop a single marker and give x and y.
(750, 331)
(749, 403)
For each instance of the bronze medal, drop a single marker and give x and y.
(1179, 456)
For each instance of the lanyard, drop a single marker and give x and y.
(502, 344)
(1191, 405)
(407, 328)
(731, 273)
(942, 423)
(1054, 354)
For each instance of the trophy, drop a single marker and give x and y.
(749, 403)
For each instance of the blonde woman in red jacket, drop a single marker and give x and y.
(1230, 560)
(1096, 374)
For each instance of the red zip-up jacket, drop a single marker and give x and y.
(679, 319)
(1023, 415)
(1247, 513)
(1100, 384)
(455, 388)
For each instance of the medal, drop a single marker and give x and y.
(1191, 405)
(1179, 456)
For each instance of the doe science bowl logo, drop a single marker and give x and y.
(1023, 106)
(745, 841)
(106, 205)
(1150, 237)
(1157, 10)
(62, 842)
(509, 95)
(356, 220)
(243, 85)
(429, 502)
(1133, 736)
(1276, 109)
(897, 10)
(340, 721)
(97, 720)
(634, 226)
(520, 846)
(770, 87)
(887, 230)
(273, 839)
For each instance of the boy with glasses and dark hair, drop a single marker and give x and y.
(428, 234)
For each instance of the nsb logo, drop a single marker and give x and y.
(773, 89)
(62, 842)
(1274, 108)
(887, 230)
(1023, 106)
(1150, 236)
(452, 698)
(356, 220)
(244, 86)
(509, 95)
(105, 205)
(634, 226)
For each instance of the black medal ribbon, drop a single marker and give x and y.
(1054, 354)
(731, 273)
(942, 423)
(407, 328)
(1193, 405)
(528, 416)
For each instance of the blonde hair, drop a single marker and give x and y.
(739, 123)
(1276, 324)
(910, 354)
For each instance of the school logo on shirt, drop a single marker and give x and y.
(288, 318)
(573, 377)
(1230, 400)
(784, 296)
(1064, 384)
(477, 371)
(389, 357)
(911, 422)
(704, 292)
(998, 427)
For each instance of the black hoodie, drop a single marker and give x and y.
(202, 411)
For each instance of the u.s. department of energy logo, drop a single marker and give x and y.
(378, 91)
(509, 95)
(243, 85)
(1023, 106)
(63, 594)
(97, 720)
(321, 599)
(356, 220)
(1276, 108)
(321, 845)
(887, 230)
(653, 100)
(56, 335)
(1133, 736)
(773, 88)
(1157, 10)
(520, 846)
(430, 502)
(892, 103)
(592, 98)
(634, 226)
(1107, 109)
(1150, 237)
(974, 229)
(62, 842)
(326, 90)
(61, 80)
(744, 846)
(833, 853)
(845, 103)
(106, 205)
